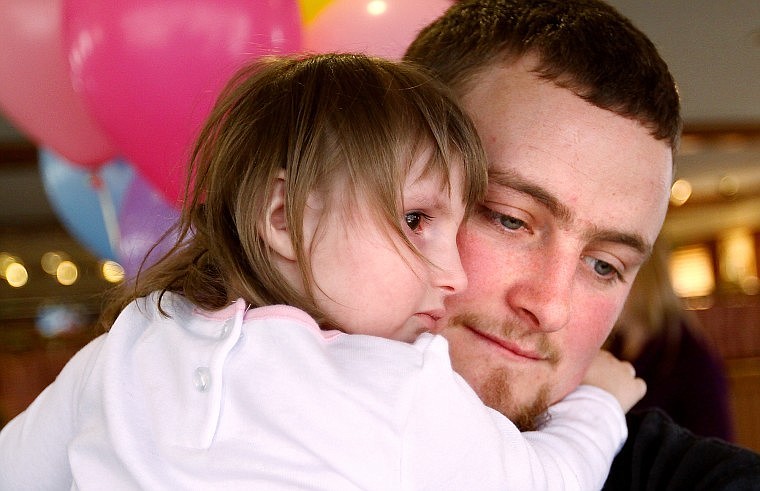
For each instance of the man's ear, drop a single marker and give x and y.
(274, 227)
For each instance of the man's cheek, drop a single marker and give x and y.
(587, 339)
(602, 316)
(477, 246)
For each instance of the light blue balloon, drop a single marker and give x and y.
(88, 212)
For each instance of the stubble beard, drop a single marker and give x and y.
(496, 392)
(497, 389)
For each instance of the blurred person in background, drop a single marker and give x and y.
(684, 372)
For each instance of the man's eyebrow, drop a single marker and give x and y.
(514, 181)
(563, 214)
(634, 241)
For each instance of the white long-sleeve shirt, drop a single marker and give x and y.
(264, 399)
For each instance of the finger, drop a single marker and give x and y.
(642, 386)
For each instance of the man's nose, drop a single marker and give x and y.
(542, 295)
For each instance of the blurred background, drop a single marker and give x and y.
(80, 202)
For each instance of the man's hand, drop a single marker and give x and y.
(616, 377)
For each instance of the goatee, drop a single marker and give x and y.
(497, 390)
(496, 393)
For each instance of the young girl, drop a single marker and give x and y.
(283, 342)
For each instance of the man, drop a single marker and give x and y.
(580, 117)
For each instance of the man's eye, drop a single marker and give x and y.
(502, 220)
(604, 269)
(511, 223)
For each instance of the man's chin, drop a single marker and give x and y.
(496, 392)
(497, 385)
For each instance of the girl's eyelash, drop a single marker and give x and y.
(421, 216)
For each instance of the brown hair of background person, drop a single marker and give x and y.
(684, 373)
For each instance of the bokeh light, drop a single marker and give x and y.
(16, 275)
(67, 273)
(50, 261)
(112, 271)
(680, 192)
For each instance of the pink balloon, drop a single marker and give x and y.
(150, 70)
(35, 89)
(379, 28)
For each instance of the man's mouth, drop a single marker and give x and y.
(508, 340)
(506, 345)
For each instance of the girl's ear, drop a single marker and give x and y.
(274, 227)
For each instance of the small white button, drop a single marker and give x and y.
(202, 379)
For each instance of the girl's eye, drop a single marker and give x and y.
(414, 220)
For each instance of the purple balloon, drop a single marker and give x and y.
(143, 219)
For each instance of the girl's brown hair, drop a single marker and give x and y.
(321, 119)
